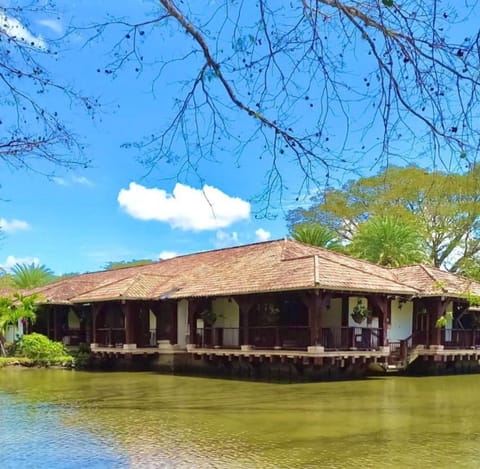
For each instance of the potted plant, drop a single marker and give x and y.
(360, 312)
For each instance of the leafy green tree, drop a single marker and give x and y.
(33, 275)
(388, 241)
(6, 281)
(445, 208)
(317, 235)
(471, 268)
(120, 264)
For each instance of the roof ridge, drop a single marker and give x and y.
(335, 261)
(424, 268)
(107, 284)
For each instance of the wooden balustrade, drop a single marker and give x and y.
(291, 337)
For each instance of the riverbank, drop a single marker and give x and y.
(16, 361)
(25, 362)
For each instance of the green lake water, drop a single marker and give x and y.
(58, 418)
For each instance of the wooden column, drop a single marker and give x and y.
(380, 304)
(245, 304)
(316, 303)
(436, 308)
(57, 326)
(345, 310)
(129, 315)
(95, 310)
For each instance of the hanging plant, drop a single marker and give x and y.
(208, 316)
(360, 312)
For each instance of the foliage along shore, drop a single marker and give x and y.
(36, 350)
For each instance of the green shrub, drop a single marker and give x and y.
(83, 356)
(44, 351)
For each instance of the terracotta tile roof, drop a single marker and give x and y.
(134, 287)
(6, 291)
(270, 266)
(262, 267)
(433, 281)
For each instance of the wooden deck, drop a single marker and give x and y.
(352, 355)
(448, 354)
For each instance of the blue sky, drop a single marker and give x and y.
(78, 220)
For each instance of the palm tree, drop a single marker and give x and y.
(33, 275)
(388, 241)
(317, 235)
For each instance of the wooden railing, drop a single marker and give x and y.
(344, 338)
(110, 336)
(290, 337)
(460, 338)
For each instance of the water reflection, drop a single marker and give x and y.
(151, 420)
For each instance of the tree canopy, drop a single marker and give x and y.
(112, 265)
(388, 241)
(34, 134)
(309, 88)
(444, 208)
(25, 276)
(317, 84)
(317, 235)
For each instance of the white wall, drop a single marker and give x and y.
(228, 316)
(449, 325)
(73, 321)
(332, 317)
(14, 333)
(182, 322)
(352, 302)
(152, 320)
(401, 320)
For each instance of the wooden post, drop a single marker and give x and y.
(49, 319)
(245, 304)
(316, 302)
(129, 315)
(437, 308)
(57, 331)
(95, 310)
(380, 304)
(345, 310)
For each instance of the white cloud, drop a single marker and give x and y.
(164, 255)
(224, 239)
(60, 181)
(16, 30)
(12, 260)
(54, 25)
(263, 235)
(82, 180)
(186, 208)
(10, 226)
